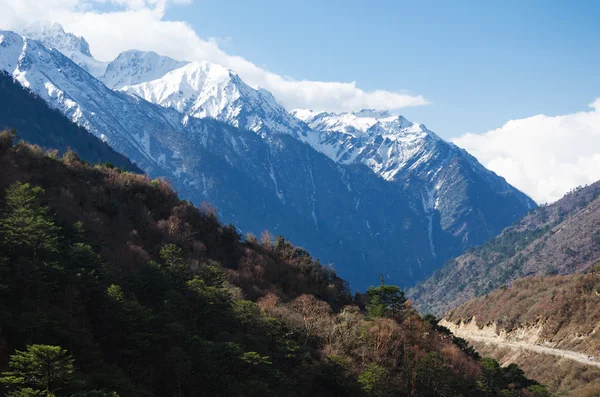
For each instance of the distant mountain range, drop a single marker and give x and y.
(368, 191)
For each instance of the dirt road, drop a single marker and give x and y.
(517, 345)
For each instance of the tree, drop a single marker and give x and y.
(172, 256)
(39, 368)
(372, 379)
(385, 300)
(26, 225)
(538, 391)
(492, 374)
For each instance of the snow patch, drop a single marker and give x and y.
(272, 175)
(313, 197)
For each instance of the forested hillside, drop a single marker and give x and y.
(560, 238)
(37, 123)
(117, 287)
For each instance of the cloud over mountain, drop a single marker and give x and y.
(545, 156)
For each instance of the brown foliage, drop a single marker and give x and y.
(565, 306)
(387, 339)
(130, 217)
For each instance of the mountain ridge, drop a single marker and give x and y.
(266, 174)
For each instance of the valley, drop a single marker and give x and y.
(170, 227)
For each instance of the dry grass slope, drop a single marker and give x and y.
(566, 308)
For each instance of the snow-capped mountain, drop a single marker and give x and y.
(207, 90)
(386, 142)
(135, 67)
(52, 35)
(385, 196)
(401, 151)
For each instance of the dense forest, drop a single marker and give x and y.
(112, 286)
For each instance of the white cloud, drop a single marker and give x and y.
(541, 155)
(139, 24)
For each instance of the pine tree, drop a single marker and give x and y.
(39, 368)
(25, 225)
(385, 300)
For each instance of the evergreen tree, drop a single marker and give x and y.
(385, 300)
(26, 225)
(41, 368)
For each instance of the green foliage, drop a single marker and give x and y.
(254, 359)
(172, 257)
(384, 300)
(95, 393)
(115, 293)
(40, 368)
(538, 391)
(372, 379)
(25, 223)
(27, 392)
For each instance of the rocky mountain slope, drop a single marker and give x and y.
(263, 168)
(36, 123)
(555, 315)
(457, 192)
(561, 238)
(437, 175)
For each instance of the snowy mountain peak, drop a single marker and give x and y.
(387, 143)
(206, 90)
(134, 67)
(372, 113)
(366, 122)
(199, 89)
(52, 35)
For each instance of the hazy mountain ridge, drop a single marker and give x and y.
(52, 35)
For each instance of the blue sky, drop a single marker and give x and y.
(479, 63)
